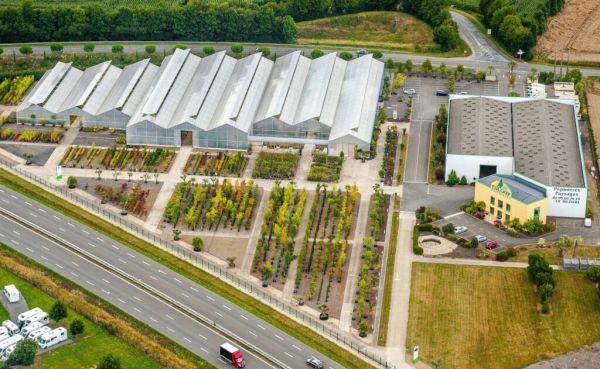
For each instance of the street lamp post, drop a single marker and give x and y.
(520, 53)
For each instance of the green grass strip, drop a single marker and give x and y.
(249, 303)
(387, 287)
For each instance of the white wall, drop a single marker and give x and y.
(568, 202)
(468, 165)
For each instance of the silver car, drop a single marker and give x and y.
(313, 362)
(460, 229)
(481, 238)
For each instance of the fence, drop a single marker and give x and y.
(243, 284)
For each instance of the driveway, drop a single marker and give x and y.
(446, 200)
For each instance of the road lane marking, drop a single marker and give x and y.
(154, 320)
(184, 295)
(74, 263)
(290, 355)
(219, 314)
(122, 261)
(42, 211)
(193, 289)
(153, 277)
(261, 327)
(83, 230)
(252, 333)
(33, 215)
(91, 244)
(227, 307)
(6, 201)
(14, 197)
(62, 229)
(170, 317)
(210, 298)
(75, 274)
(136, 309)
(146, 263)
(279, 337)
(115, 247)
(55, 217)
(170, 329)
(201, 336)
(187, 339)
(28, 203)
(105, 281)
(43, 257)
(122, 301)
(90, 283)
(137, 298)
(59, 266)
(45, 248)
(178, 281)
(297, 348)
(106, 292)
(15, 242)
(243, 317)
(71, 225)
(17, 233)
(99, 239)
(131, 256)
(203, 349)
(28, 249)
(161, 272)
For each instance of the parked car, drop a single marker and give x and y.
(441, 93)
(460, 229)
(362, 52)
(491, 245)
(410, 91)
(481, 238)
(313, 362)
(463, 93)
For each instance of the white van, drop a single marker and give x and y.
(52, 338)
(12, 293)
(11, 327)
(23, 316)
(9, 342)
(4, 334)
(30, 328)
(38, 333)
(7, 352)
(40, 317)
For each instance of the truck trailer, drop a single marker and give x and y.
(232, 355)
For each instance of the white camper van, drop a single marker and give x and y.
(40, 317)
(52, 338)
(4, 334)
(23, 316)
(9, 342)
(9, 350)
(30, 328)
(11, 327)
(38, 333)
(12, 293)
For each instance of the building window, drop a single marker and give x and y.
(492, 200)
(499, 215)
(491, 210)
(507, 207)
(499, 204)
(507, 218)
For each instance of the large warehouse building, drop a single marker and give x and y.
(218, 101)
(531, 143)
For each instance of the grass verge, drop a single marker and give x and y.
(250, 304)
(433, 148)
(402, 160)
(552, 253)
(476, 317)
(387, 287)
(107, 329)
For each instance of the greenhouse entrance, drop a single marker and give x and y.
(186, 138)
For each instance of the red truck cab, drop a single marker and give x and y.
(232, 355)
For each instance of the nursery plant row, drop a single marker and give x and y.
(119, 158)
(325, 168)
(34, 136)
(216, 164)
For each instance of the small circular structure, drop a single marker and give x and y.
(435, 245)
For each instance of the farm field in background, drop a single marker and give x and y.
(471, 316)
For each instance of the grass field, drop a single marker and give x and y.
(552, 253)
(369, 30)
(85, 351)
(487, 318)
(3, 313)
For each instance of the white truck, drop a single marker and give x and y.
(11, 327)
(52, 338)
(9, 342)
(38, 333)
(23, 316)
(39, 317)
(12, 293)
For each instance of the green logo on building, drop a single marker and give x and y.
(501, 187)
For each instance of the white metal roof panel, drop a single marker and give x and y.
(102, 91)
(295, 91)
(173, 99)
(254, 95)
(215, 93)
(334, 90)
(169, 70)
(278, 86)
(85, 85)
(59, 95)
(140, 91)
(370, 101)
(48, 83)
(315, 88)
(125, 85)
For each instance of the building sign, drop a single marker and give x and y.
(415, 354)
(502, 188)
(59, 174)
(567, 195)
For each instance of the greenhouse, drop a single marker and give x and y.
(218, 101)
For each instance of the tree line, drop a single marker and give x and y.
(436, 14)
(517, 31)
(203, 20)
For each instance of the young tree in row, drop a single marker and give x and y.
(150, 49)
(88, 47)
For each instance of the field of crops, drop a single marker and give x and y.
(120, 158)
(216, 164)
(105, 3)
(11, 90)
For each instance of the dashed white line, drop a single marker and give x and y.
(210, 298)
(170, 329)
(137, 298)
(43, 257)
(83, 230)
(42, 210)
(14, 197)
(105, 281)
(170, 317)
(28, 203)
(60, 266)
(115, 247)
(73, 226)
(290, 355)
(184, 295)
(74, 263)
(154, 320)
(55, 217)
(131, 256)
(201, 336)
(6, 201)
(161, 272)
(146, 263)
(252, 333)
(227, 307)
(279, 337)
(243, 317)
(33, 215)
(219, 314)
(15, 242)
(261, 327)
(90, 283)
(193, 289)
(75, 274)
(121, 300)
(178, 281)
(153, 277)
(99, 239)
(136, 309)
(17, 233)
(45, 248)
(106, 292)
(203, 349)
(62, 229)
(122, 261)
(91, 244)
(28, 249)
(297, 348)
(187, 339)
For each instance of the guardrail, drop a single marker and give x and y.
(339, 337)
(209, 323)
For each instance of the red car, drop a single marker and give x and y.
(491, 245)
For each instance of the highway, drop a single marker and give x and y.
(134, 300)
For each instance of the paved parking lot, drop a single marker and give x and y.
(446, 200)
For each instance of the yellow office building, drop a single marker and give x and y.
(508, 197)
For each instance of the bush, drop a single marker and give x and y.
(25, 50)
(593, 273)
(150, 49)
(533, 226)
(452, 178)
(56, 47)
(376, 54)
(463, 181)
(418, 250)
(208, 50)
(72, 182)
(546, 292)
(117, 49)
(346, 55)
(237, 48)
(474, 243)
(316, 53)
(58, 311)
(89, 47)
(502, 256)
(511, 252)
(448, 228)
(427, 227)
(24, 353)
(264, 50)
(197, 243)
(180, 46)
(77, 327)
(109, 361)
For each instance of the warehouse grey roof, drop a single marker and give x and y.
(521, 190)
(219, 90)
(541, 135)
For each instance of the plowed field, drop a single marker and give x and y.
(574, 31)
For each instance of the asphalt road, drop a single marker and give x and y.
(482, 48)
(132, 299)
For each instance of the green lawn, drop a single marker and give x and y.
(85, 351)
(373, 30)
(485, 317)
(3, 313)
(552, 253)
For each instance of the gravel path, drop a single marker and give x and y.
(587, 357)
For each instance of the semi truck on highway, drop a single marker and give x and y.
(232, 355)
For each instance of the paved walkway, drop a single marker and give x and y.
(14, 309)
